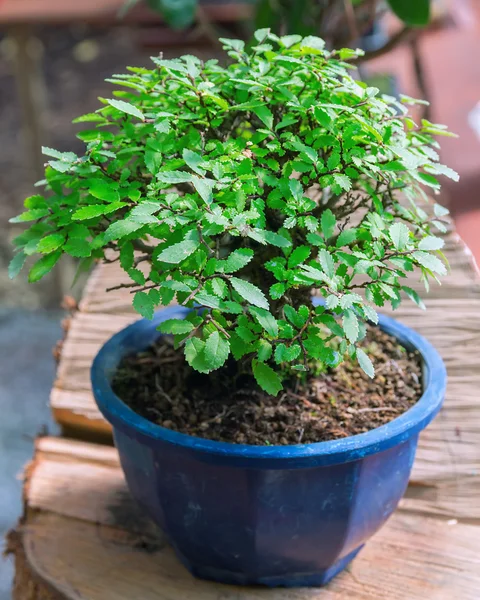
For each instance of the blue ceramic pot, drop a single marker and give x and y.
(273, 515)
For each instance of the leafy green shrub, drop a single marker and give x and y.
(243, 189)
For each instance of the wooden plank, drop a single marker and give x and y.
(82, 538)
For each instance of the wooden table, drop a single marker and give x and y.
(82, 538)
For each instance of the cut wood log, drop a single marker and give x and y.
(83, 538)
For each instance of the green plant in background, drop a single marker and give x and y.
(337, 21)
(243, 190)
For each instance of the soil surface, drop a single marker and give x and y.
(227, 406)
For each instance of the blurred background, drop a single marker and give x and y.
(54, 58)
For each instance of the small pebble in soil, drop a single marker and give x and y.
(228, 406)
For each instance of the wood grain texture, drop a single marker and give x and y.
(83, 538)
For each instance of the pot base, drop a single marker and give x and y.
(316, 579)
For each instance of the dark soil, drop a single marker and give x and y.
(227, 406)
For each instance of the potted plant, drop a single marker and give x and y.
(248, 427)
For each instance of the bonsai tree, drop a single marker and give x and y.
(241, 191)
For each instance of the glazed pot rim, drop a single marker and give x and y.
(141, 333)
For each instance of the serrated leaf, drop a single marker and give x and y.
(50, 243)
(175, 326)
(269, 237)
(126, 256)
(120, 229)
(277, 290)
(298, 256)
(195, 355)
(332, 302)
(343, 181)
(348, 300)
(414, 297)
(193, 160)
(285, 353)
(77, 247)
(103, 191)
(370, 313)
(365, 363)
(144, 305)
(399, 234)
(328, 222)
(429, 261)
(327, 263)
(431, 243)
(266, 378)
(174, 177)
(16, 264)
(204, 187)
(127, 108)
(350, 326)
(347, 236)
(440, 211)
(43, 266)
(176, 253)
(235, 261)
(266, 320)
(265, 115)
(217, 350)
(249, 292)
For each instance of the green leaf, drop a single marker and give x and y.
(346, 237)
(50, 243)
(217, 350)
(327, 263)
(298, 256)
(178, 14)
(411, 12)
(204, 187)
(127, 256)
(177, 253)
(175, 326)
(193, 160)
(265, 115)
(343, 181)
(350, 326)
(195, 355)
(144, 305)
(431, 262)
(429, 180)
(77, 247)
(440, 211)
(104, 191)
(266, 378)
(43, 266)
(414, 297)
(127, 108)
(266, 320)
(431, 243)
(16, 264)
(332, 302)
(365, 363)
(328, 222)
(235, 261)
(174, 177)
(249, 292)
(120, 229)
(89, 212)
(269, 237)
(370, 313)
(399, 233)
